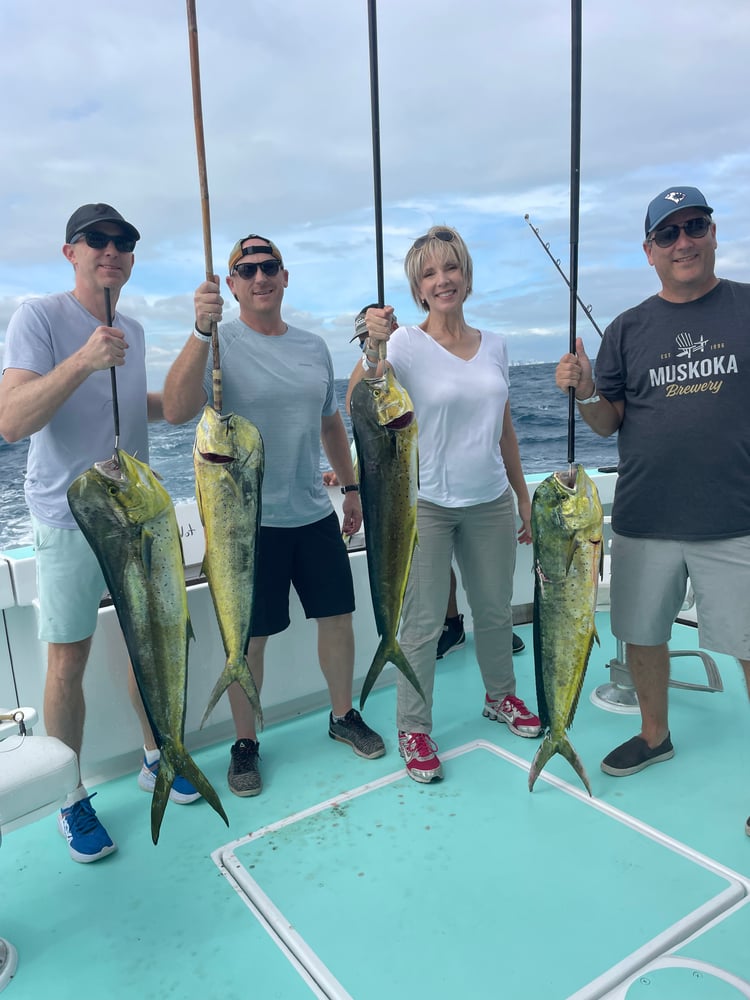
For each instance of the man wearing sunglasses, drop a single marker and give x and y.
(57, 389)
(672, 379)
(281, 378)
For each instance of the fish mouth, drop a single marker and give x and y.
(215, 458)
(111, 469)
(399, 423)
(567, 478)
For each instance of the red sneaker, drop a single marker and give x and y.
(419, 753)
(512, 711)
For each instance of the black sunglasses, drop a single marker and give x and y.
(98, 241)
(694, 228)
(440, 234)
(247, 271)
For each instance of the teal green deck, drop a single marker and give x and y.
(380, 887)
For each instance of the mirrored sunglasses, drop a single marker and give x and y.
(440, 234)
(248, 271)
(98, 241)
(694, 228)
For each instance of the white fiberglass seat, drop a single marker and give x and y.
(619, 694)
(36, 774)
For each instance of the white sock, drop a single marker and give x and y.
(76, 796)
(151, 756)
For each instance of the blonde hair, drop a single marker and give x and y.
(440, 249)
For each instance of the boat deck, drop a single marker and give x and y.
(347, 879)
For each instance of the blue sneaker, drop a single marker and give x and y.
(181, 791)
(87, 839)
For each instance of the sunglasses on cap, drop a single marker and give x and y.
(694, 228)
(98, 241)
(440, 234)
(248, 271)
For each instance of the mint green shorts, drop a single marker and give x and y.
(69, 583)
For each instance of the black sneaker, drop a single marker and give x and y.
(243, 775)
(453, 636)
(352, 729)
(747, 826)
(518, 644)
(634, 755)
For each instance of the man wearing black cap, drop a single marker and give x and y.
(672, 380)
(281, 378)
(56, 388)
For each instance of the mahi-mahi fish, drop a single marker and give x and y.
(128, 519)
(566, 525)
(228, 459)
(385, 436)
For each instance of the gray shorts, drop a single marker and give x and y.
(649, 581)
(69, 583)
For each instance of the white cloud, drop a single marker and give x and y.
(475, 131)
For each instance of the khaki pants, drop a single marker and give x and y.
(483, 539)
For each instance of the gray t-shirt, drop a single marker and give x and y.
(285, 386)
(42, 333)
(683, 370)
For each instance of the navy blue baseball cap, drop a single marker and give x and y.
(672, 200)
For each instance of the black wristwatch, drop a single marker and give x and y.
(351, 488)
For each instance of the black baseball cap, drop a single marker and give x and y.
(87, 217)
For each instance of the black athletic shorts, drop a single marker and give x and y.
(314, 559)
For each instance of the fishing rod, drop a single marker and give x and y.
(376, 172)
(113, 379)
(563, 275)
(200, 145)
(575, 191)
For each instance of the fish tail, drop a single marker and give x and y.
(548, 748)
(385, 653)
(546, 751)
(171, 763)
(240, 672)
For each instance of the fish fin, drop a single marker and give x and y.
(164, 779)
(239, 672)
(389, 653)
(174, 761)
(378, 662)
(567, 751)
(547, 751)
(541, 695)
(574, 703)
(147, 546)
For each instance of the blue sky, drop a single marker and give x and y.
(475, 132)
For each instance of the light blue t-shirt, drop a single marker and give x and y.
(42, 333)
(285, 386)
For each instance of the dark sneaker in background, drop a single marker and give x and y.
(243, 775)
(453, 636)
(354, 731)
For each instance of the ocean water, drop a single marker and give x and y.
(540, 416)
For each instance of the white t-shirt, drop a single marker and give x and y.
(459, 407)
